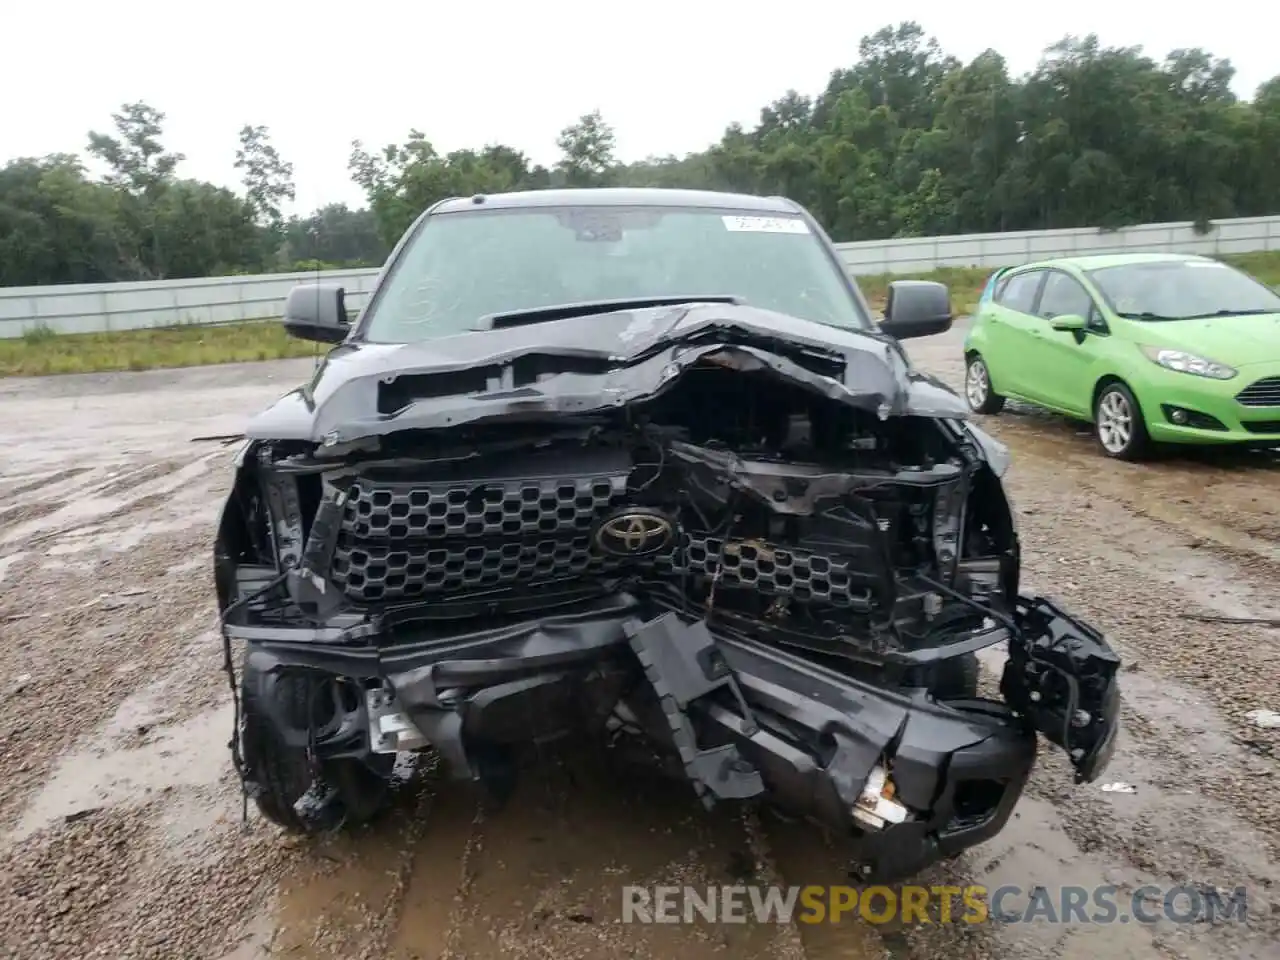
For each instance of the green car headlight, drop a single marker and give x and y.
(1184, 362)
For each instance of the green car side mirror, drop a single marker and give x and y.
(1068, 321)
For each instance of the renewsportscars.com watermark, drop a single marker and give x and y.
(933, 904)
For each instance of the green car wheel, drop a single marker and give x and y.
(977, 387)
(1118, 423)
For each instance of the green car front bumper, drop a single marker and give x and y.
(1182, 408)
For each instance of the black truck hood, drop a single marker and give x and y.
(584, 365)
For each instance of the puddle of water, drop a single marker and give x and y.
(569, 841)
(1207, 581)
(49, 484)
(189, 754)
(120, 539)
(185, 823)
(73, 542)
(543, 875)
(67, 566)
(74, 511)
(83, 508)
(1177, 516)
(1193, 721)
(188, 566)
(1035, 850)
(256, 940)
(427, 910)
(132, 477)
(141, 710)
(127, 538)
(804, 857)
(7, 562)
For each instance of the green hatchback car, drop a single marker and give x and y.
(1168, 348)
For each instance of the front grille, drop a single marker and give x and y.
(533, 524)
(383, 572)
(528, 523)
(484, 508)
(771, 570)
(1262, 393)
(1262, 426)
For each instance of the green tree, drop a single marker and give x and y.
(140, 168)
(402, 180)
(136, 160)
(335, 235)
(206, 231)
(898, 68)
(268, 179)
(587, 151)
(1258, 130)
(56, 226)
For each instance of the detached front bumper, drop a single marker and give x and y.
(906, 778)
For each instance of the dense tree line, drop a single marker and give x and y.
(906, 141)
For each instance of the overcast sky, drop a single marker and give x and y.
(669, 75)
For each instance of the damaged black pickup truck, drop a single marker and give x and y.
(639, 464)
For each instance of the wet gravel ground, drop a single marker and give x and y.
(120, 823)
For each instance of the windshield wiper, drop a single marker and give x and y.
(1147, 315)
(1233, 313)
(586, 308)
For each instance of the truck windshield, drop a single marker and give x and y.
(459, 267)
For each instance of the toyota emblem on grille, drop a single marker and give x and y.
(634, 533)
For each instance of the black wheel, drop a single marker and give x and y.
(977, 387)
(955, 678)
(279, 767)
(1118, 424)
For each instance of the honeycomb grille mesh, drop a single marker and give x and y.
(412, 540)
(381, 571)
(770, 570)
(509, 508)
(404, 541)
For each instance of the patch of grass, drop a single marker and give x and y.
(40, 333)
(1265, 266)
(40, 351)
(965, 284)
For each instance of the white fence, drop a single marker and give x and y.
(1246, 234)
(86, 308)
(95, 307)
(920, 254)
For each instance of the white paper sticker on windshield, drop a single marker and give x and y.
(765, 224)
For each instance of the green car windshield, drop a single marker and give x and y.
(1182, 290)
(460, 267)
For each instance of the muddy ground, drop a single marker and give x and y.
(120, 823)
